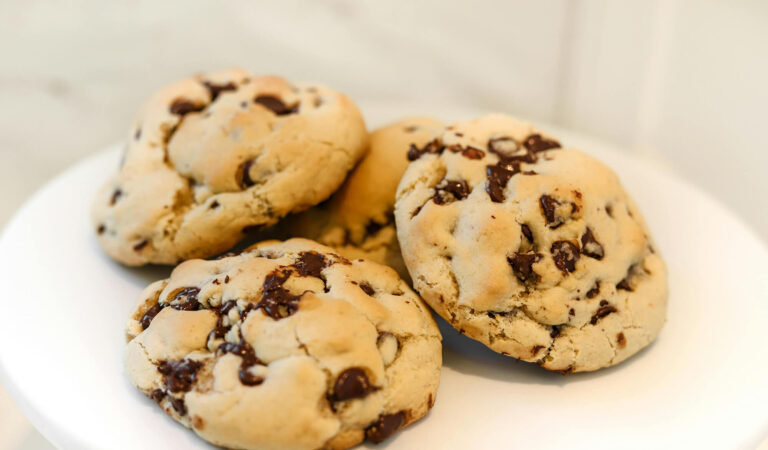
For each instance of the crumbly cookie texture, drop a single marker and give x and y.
(358, 220)
(287, 345)
(217, 155)
(531, 249)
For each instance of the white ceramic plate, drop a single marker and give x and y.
(703, 383)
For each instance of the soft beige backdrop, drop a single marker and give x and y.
(680, 81)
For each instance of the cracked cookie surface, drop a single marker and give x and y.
(358, 220)
(212, 157)
(534, 250)
(287, 345)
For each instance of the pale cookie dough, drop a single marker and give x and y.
(358, 220)
(533, 250)
(217, 155)
(285, 346)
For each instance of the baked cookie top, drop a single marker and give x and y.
(287, 345)
(358, 220)
(534, 250)
(213, 156)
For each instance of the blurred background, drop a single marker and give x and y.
(680, 82)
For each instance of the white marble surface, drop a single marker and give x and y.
(680, 81)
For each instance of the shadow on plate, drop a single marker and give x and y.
(471, 357)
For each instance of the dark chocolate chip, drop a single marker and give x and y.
(449, 191)
(571, 312)
(621, 341)
(624, 285)
(367, 289)
(276, 105)
(351, 383)
(498, 177)
(214, 204)
(592, 293)
(434, 146)
(139, 246)
(555, 332)
(602, 311)
(491, 314)
(243, 174)
(146, 319)
(590, 247)
(527, 232)
(276, 301)
(565, 254)
(182, 106)
(216, 89)
(179, 375)
(522, 265)
(115, 196)
(186, 299)
(310, 264)
(536, 143)
(384, 427)
(102, 228)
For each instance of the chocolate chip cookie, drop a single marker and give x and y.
(212, 157)
(358, 220)
(287, 345)
(534, 250)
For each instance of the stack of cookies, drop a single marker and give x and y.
(319, 335)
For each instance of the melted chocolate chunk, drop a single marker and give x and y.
(498, 177)
(536, 349)
(434, 146)
(249, 359)
(276, 105)
(243, 174)
(384, 427)
(565, 254)
(592, 293)
(157, 395)
(179, 405)
(352, 383)
(527, 232)
(115, 196)
(179, 375)
(604, 309)
(138, 247)
(182, 107)
(367, 289)
(472, 153)
(621, 341)
(505, 147)
(276, 301)
(216, 89)
(310, 264)
(536, 143)
(186, 299)
(146, 319)
(522, 265)
(548, 206)
(590, 247)
(449, 191)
